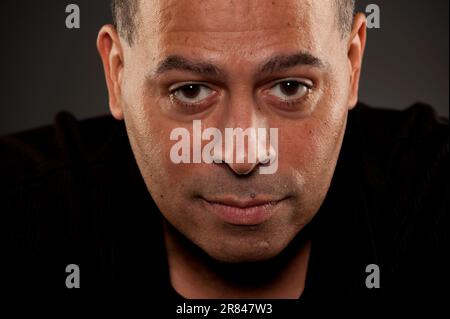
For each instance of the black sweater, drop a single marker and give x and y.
(71, 193)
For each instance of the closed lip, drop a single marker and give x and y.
(248, 212)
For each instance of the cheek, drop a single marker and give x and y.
(149, 133)
(312, 146)
(151, 146)
(149, 138)
(299, 149)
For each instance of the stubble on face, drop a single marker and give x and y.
(237, 37)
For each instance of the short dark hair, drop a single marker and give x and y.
(345, 15)
(124, 14)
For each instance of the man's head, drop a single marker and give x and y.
(282, 64)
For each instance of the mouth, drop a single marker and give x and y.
(243, 212)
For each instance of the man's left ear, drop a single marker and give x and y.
(355, 53)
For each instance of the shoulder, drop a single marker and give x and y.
(63, 191)
(68, 142)
(408, 147)
(416, 128)
(402, 164)
(402, 156)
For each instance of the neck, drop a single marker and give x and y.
(193, 274)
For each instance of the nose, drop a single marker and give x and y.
(245, 135)
(242, 168)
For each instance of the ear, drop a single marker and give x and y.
(355, 53)
(110, 50)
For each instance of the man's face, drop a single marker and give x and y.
(239, 64)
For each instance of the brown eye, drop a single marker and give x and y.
(289, 90)
(191, 93)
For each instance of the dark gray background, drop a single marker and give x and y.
(46, 67)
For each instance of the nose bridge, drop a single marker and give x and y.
(242, 121)
(241, 108)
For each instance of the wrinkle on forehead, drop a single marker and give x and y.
(240, 27)
(226, 15)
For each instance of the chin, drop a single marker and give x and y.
(261, 252)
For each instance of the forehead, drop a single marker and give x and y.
(235, 28)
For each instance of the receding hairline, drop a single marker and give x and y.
(125, 14)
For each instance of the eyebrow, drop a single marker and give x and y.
(176, 62)
(282, 62)
(275, 64)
